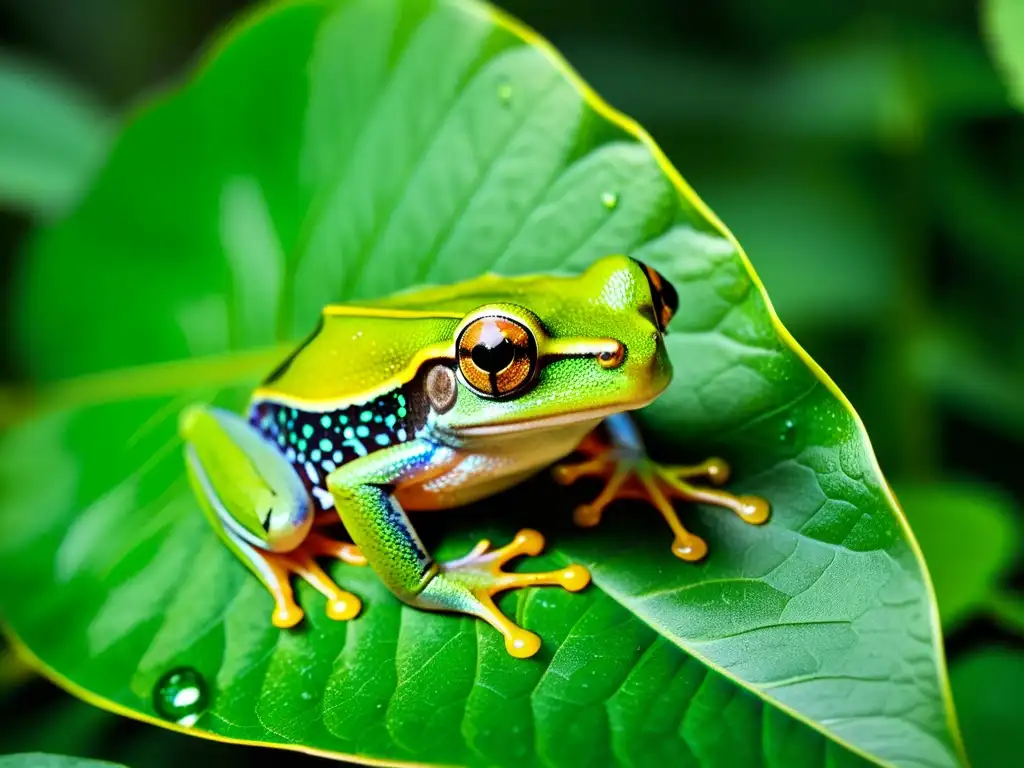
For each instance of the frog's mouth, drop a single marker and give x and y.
(542, 423)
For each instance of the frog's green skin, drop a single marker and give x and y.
(386, 408)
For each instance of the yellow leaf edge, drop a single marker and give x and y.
(71, 392)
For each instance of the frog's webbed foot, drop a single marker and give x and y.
(341, 605)
(629, 474)
(468, 585)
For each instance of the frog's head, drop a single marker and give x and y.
(553, 351)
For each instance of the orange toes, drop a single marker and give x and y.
(575, 577)
(690, 548)
(341, 605)
(521, 643)
(631, 475)
(528, 542)
(753, 509)
(473, 581)
(717, 471)
(286, 616)
(344, 606)
(587, 515)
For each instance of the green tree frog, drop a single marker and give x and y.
(435, 398)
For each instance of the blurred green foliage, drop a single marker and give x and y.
(52, 138)
(868, 156)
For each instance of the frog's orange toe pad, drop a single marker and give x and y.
(753, 509)
(344, 607)
(691, 549)
(286, 616)
(575, 578)
(521, 643)
(527, 542)
(587, 515)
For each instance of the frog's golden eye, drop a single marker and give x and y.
(497, 355)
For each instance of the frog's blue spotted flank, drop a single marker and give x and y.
(382, 423)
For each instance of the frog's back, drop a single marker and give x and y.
(358, 353)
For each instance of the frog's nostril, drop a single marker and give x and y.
(612, 358)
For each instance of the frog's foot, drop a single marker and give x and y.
(341, 605)
(631, 475)
(468, 585)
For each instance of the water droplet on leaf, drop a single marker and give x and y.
(181, 696)
(609, 200)
(788, 433)
(505, 94)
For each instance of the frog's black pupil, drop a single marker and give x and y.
(492, 357)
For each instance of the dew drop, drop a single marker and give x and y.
(505, 94)
(787, 435)
(181, 696)
(609, 200)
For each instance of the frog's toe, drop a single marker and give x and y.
(276, 577)
(341, 605)
(468, 585)
(630, 474)
(753, 509)
(340, 550)
(574, 578)
(344, 606)
(715, 470)
(521, 643)
(568, 472)
(280, 566)
(286, 615)
(587, 515)
(690, 548)
(527, 542)
(750, 509)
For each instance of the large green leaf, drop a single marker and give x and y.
(331, 150)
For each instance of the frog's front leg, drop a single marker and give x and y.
(260, 508)
(364, 497)
(628, 473)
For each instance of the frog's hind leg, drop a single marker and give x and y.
(260, 508)
(275, 577)
(628, 473)
(275, 569)
(341, 605)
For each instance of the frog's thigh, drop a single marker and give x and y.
(250, 487)
(363, 497)
(246, 488)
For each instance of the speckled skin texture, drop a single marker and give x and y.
(316, 443)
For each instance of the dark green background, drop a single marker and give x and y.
(865, 154)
